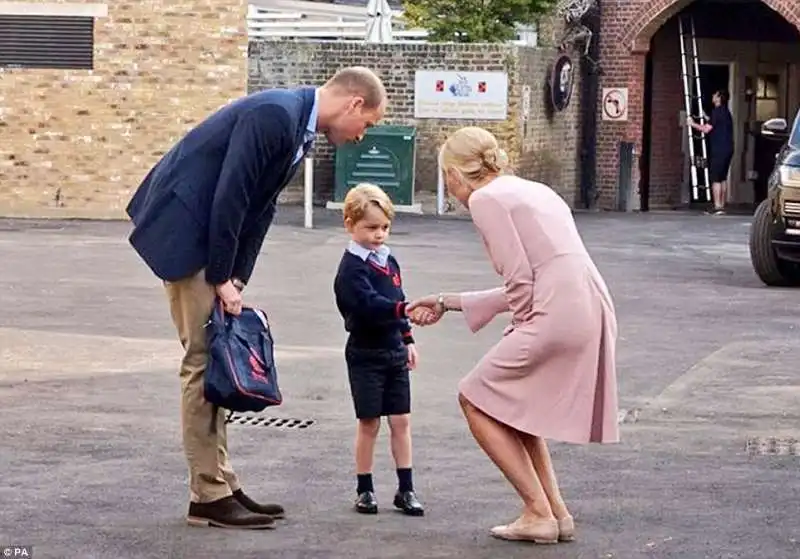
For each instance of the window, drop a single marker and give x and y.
(58, 36)
(768, 97)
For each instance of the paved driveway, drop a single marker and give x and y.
(91, 460)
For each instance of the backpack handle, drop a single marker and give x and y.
(219, 312)
(262, 316)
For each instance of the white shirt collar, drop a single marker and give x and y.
(381, 254)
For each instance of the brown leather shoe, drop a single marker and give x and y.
(227, 513)
(270, 509)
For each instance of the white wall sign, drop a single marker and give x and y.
(467, 95)
(615, 104)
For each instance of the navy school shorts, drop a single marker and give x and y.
(379, 381)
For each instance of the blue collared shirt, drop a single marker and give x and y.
(380, 256)
(311, 129)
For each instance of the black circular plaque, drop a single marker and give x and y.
(561, 82)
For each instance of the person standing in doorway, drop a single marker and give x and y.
(200, 218)
(720, 142)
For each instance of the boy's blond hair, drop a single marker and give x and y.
(361, 196)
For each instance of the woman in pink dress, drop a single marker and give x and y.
(552, 375)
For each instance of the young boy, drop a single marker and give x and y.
(380, 349)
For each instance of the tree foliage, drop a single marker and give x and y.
(473, 21)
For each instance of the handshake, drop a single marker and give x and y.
(425, 311)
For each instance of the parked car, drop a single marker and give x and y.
(775, 230)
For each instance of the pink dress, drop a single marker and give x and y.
(553, 373)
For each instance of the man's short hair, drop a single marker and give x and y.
(361, 81)
(724, 96)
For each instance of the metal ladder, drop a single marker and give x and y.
(693, 101)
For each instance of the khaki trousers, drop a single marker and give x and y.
(211, 476)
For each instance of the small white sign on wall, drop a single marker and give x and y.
(461, 95)
(615, 104)
(526, 102)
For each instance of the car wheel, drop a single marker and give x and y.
(769, 268)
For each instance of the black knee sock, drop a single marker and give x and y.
(404, 481)
(364, 483)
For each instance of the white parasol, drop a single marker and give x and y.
(379, 22)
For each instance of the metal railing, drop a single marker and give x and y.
(323, 21)
(313, 20)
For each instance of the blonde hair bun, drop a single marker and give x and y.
(474, 152)
(495, 159)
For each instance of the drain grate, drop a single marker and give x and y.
(265, 421)
(773, 446)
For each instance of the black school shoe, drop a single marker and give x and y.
(407, 502)
(367, 503)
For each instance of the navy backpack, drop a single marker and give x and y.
(240, 375)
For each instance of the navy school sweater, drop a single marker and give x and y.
(371, 301)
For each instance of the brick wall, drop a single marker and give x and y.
(290, 64)
(85, 138)
(160, 67)
(627, 28)
(550, 146)
(666, 157)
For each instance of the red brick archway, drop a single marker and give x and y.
(630, 25)
(638, 31)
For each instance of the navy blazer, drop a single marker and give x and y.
(209, 202)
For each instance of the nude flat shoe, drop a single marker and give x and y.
(540, 531)
(566, 529)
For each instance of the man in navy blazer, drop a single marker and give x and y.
(200, 217)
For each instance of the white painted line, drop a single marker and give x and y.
(37, 354)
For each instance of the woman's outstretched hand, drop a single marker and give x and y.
(425, 311)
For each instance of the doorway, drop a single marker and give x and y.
(713, 77)
(647, 135)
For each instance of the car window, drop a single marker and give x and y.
(794, 139)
